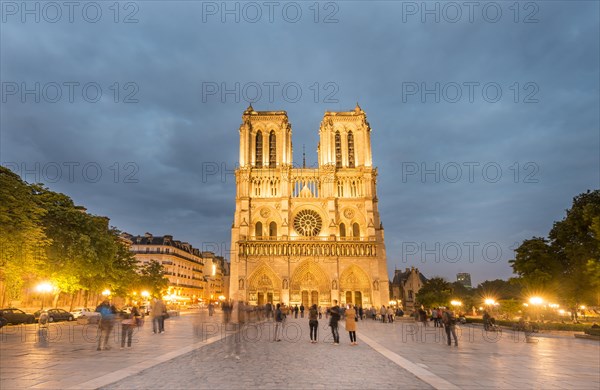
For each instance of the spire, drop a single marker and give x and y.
(357, 108)
(249, 109)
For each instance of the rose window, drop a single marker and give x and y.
(307, 223)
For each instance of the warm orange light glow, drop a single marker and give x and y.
(536, 300)
(45, 287)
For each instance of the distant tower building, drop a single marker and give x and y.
(464, 278)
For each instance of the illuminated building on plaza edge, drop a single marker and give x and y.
(307, 235)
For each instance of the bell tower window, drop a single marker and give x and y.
(272, 149)
(350, 150)
(259, 150)
(338, 150)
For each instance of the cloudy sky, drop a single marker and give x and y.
(485, 117)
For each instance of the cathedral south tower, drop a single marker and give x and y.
(307, 235)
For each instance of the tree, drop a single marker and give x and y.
(498, 289)
(152, 278)
(22, 238)
(567, 262)
(435, 292)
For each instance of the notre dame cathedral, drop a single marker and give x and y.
(307, 235)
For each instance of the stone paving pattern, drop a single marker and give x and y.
(191, 354)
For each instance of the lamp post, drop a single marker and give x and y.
(44, 288)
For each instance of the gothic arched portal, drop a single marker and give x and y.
(355, 286)
(264, 286)
(309, 285)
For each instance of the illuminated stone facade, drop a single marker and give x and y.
(307, 235)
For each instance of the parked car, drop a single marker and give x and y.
(56, 315)
(84, 312)
(3, 322)
(16, 316)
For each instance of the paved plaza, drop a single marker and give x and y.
(197, 351)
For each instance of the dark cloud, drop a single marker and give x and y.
(166, 160)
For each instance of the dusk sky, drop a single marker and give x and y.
(485, 122)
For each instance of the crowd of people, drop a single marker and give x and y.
(236, 313)
(129, 319)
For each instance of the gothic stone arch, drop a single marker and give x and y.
(355, 286)
(310, 284)
(264, 286)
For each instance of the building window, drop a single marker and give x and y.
(272, 149)
(342, 230)
(273, 188)
(340, 188)
(258, 229)
(273, 229)
(259, 150)
(355, 230)
(350, 150)
(338, 150)
(353, 188)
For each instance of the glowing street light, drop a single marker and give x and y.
(536, 300)
(145, 294)
(456, 303)
(106, 293)
(489, 301)
(44, 288)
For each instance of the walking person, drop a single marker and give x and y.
(333, 322)
(351, 324)
(107, 321)
(313, 323)
(278, 322)
(128, 324)
(302, 310)
(233, 325)
(434, 317)
(158, 312)
(449, 321)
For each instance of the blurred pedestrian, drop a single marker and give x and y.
(334, 312)
(449, 320)
(158, 311)
(105, 327)
(313, 323)
(128, 324)
(278, 322)
(351, 324)
(234, 326)
(211, 309)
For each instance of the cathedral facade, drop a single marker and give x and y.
(307, 235)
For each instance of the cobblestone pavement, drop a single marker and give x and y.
(192, 354)
(264, 364)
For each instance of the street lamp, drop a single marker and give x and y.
(44, 288)
(536, 301)
(489, 301)
(456, 303)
